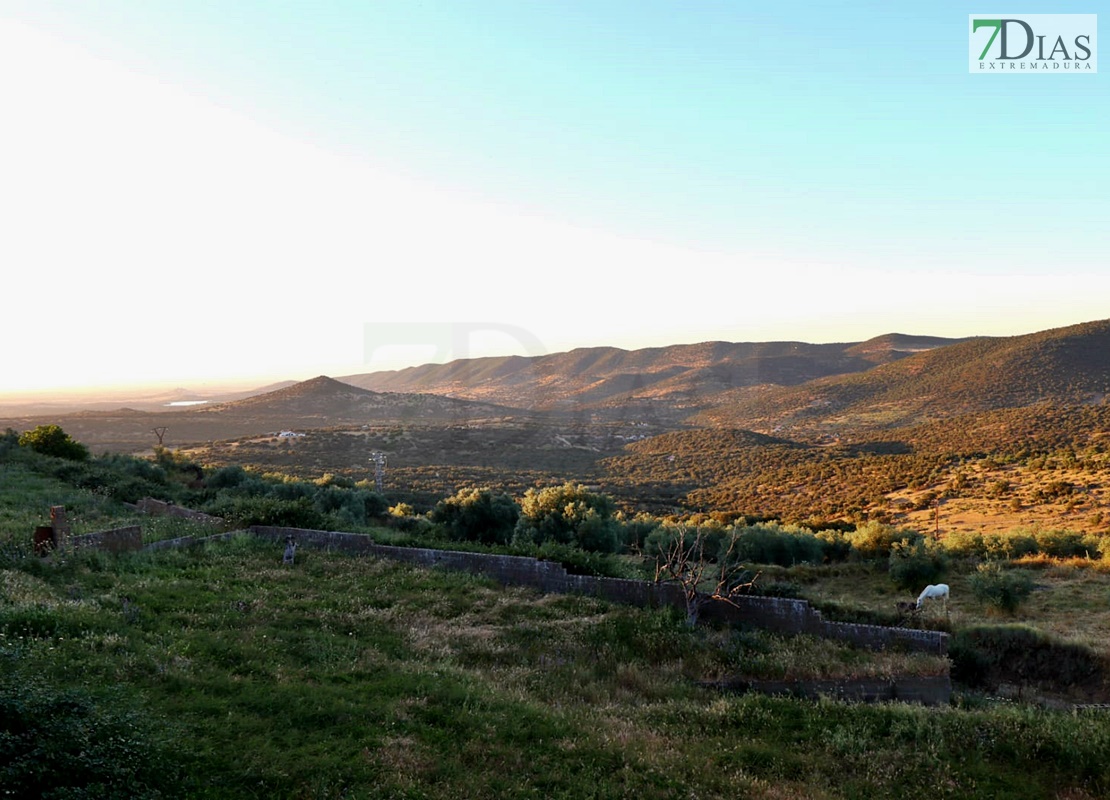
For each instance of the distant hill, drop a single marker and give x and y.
(894, 346)
(996, 429)
(321, 402)
(1062, 366)
(324, 401)
(685, 376)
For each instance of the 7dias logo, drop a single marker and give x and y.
(1057, 43)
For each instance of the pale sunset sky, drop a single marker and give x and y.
(195, 192)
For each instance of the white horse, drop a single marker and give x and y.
(934, 592)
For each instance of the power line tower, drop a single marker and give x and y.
(378, 458)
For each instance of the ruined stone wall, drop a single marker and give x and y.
(149, 505)
(117, 540)
(781, 615)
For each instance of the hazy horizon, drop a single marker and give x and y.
(209, 387)
(193, 196)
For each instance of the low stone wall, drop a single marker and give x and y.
(790, 616)
(1093, 708)
(782, 615)
(188, 541)
(149, 505)
(117, 540)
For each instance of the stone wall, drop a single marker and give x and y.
(149, 505)
(782, 615)
(187, 541)
(117, 540)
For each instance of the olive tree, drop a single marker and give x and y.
(51, 440)
(480, 515)
(685, 560)
(569, 514)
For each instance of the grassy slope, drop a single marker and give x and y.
(363, 678)
(351, 677)
(1068, 602)
(27, 496)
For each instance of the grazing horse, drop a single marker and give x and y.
(931, 592)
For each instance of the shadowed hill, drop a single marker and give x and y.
(600, 377)
(894, 346)
(321, 402)
(324, 401)
(1064, 366)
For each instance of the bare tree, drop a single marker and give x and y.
(687, 564)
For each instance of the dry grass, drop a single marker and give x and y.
(1070, 600)
(999, 499)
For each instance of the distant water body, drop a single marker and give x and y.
(187, 403)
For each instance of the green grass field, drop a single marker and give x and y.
(216, 672)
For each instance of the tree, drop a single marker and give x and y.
(569, 514)
(913, 565)
(1001, 588)
(51, 440)
(480, 515)
(9, 440)
(874, 540)
(686, 562)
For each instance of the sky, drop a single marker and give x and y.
(195, 193)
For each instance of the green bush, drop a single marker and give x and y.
(351, 507)
(141, 468)
(51, 440)
(103, 477)
(914, 565)
(329, 499)
(226, 477)
(771, 543)
(965, 544)
(835, 545)
(707, 542)
(246, 511)
(577, 561)
(634, 532)
(1067, 544)
(179, 465)
(416, 524)
(339, 481)
(478, 515)
(874, 540)
(568, 514)
(778, 589)
(246, 499)
(9, 441)
(1000, 587)
(292, 490)
(660, 541)
(1009, 545)
(57, 743)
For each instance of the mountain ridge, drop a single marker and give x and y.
(1068, 366)
(596, 377)
(342, 403)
